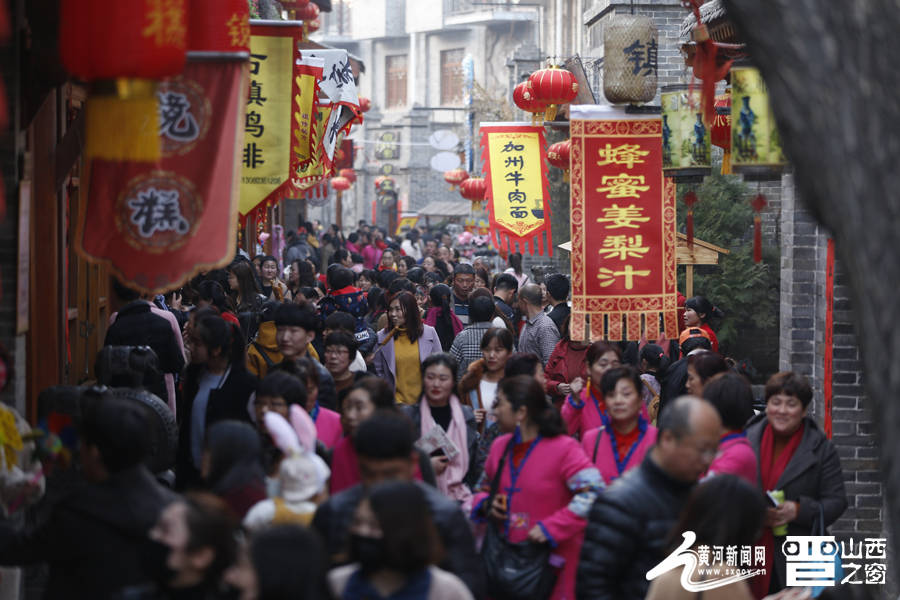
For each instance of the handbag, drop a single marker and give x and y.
(838, 568)
(514, 571)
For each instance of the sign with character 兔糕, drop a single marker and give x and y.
(517, 189)
(623, 228)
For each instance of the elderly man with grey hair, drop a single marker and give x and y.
(629, 523)
(539, 335)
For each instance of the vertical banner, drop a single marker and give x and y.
(623, 228)
(518, 192)
(271, 129)
(158, 224)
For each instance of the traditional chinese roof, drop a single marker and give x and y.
(712, 10)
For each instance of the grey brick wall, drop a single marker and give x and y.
(802, 349)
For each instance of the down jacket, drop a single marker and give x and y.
(626, 533)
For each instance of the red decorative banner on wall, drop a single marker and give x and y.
(158, 224)
(518, 192)
(623, 231)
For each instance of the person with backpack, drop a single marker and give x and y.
(263, 353)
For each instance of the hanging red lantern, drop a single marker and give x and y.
(524, 99)
(720, 133)
(294, 4)
(474, 189)
(690, 199)
(758, 203)
(558, 156)
(553, 87)
(314, 25)
(455, 177)
(309, 12)
(365, 105)
(340, 184)
(125, 45)
(219, 26)
(348, 174)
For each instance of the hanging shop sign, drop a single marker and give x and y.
(622, 227)
(517, 189)
(272, 128)
(755, 144)
(158, 224)
(685, 138)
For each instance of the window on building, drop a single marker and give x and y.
(452, 76)
(396, 68)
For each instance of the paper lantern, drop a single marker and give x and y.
(219, 26)
(313, 25)
(553, 87)
(558, 156)
(348, 174)
(123, 46)
(686, 147)
(720, 132)
(524, 99)
(474, 189)
(309, 12)
(365, 104)
(340, 184)
(455, 177)
(755, 143)
(630, 59)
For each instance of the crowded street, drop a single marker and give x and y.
(379, 300)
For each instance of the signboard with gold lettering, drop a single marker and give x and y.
(271, 131)
(623, 229)
(518, 191)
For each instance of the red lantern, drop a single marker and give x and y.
(293, 4)
(340, 184)
(310, 12)
(125, 43)
(558, 156)
(720, 133)
(219, 26)
(473, 189)
(364, 104)
(348, 174)
(314, 25)
(524, 99)
(553, 86)
(455, 177)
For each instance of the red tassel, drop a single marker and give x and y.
(690, 199)
(757, 239)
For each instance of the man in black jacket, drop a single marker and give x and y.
(630, 522)
(95, 539)
(384, 446)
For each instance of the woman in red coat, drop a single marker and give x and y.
(565, 371)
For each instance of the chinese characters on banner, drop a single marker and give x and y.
(158, 224)
(271, 129)
(623, 230)
(518, 192)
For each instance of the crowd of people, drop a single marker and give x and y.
(375, 417)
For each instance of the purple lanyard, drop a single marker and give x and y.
(732, 436)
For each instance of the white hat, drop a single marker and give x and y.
(303, 476)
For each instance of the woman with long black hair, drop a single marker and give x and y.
(217, 387)
(441, 316)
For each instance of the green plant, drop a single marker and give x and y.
(747, 292)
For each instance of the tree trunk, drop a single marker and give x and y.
(833, 80)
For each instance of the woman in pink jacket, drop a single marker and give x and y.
(547, 484)
(731, 395)
(626, 436)
(583, 409)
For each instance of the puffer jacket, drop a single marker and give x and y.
(626, 533)
(263, 347)
(333, 519)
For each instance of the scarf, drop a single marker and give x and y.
(770, 471)
(450, 483)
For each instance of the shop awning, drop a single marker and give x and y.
(446, 209)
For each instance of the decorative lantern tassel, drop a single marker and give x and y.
(726, 163)
(124, 125)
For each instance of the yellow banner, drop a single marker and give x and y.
(307, 77)
(267, 131)
(517, 185)
(313, 172)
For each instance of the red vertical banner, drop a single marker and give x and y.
(158, 224)
(517, 188)
(829, 337)
(623, 230)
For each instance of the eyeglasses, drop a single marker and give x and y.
(336, 351)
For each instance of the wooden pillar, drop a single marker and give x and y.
(688, 281)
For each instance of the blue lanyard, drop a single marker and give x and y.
(315, 413)
(732, 436)
(514, 472)
(602, 414)
(621, 464)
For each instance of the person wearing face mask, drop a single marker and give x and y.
(105, 520)
(395, 548)
(198, 536)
